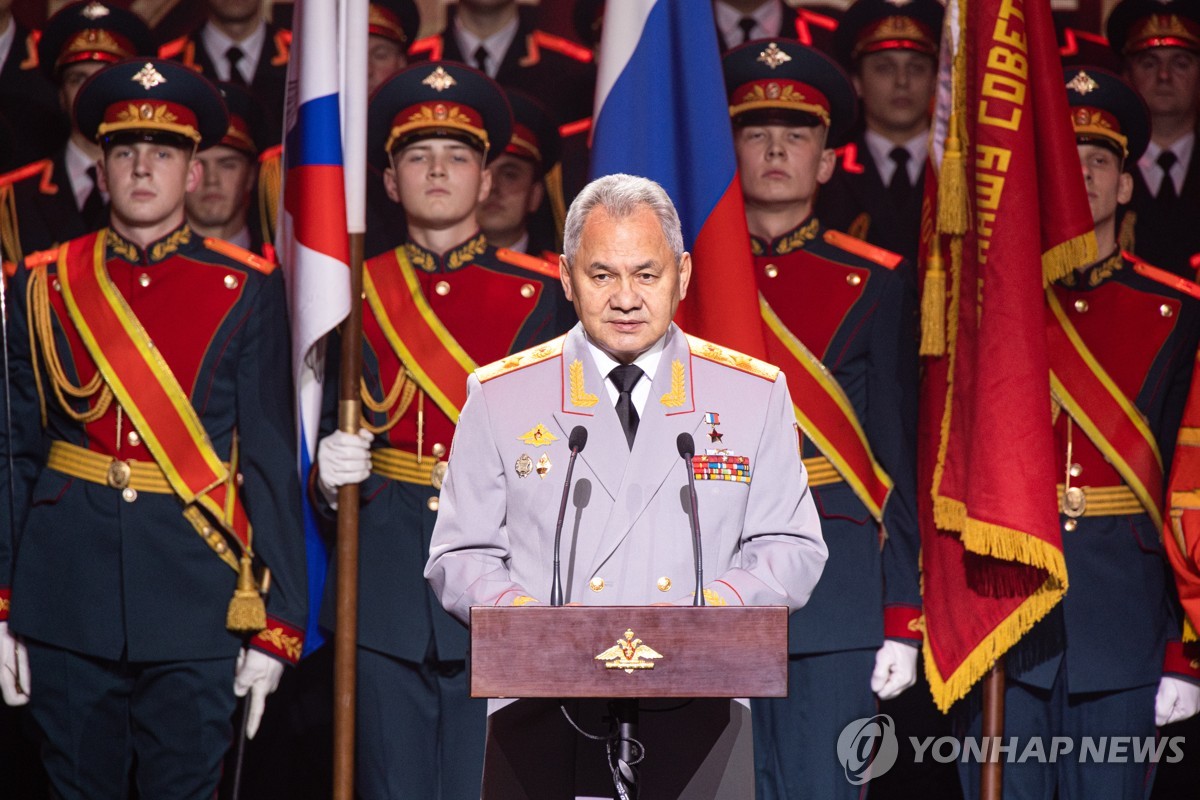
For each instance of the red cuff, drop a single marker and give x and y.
(280, 640)
(5, 602)
(903, 622)
(1182, 659)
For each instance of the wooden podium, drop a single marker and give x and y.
(702, 651)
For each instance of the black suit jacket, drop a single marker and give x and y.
(29, 104)
(270, 77)
(1166, 237)
(46, 214)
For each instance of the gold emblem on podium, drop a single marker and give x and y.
(627, 654)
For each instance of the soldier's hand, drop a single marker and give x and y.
(1177, 700)
(895, 669)
(14, 668)
(258, 674)
(342, 458)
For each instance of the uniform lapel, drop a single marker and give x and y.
(585, 402)
(670, 410)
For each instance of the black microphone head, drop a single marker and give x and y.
(685, 444)
(578, 438)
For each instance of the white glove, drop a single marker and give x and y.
(895, 669)
(1177, 700)
(258, 674)
(343, 458)
(14, 668)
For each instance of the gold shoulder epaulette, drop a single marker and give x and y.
(41, 257)
(557, 44)
(173, 48)
(731, 358)
(430, 45)
(525, 358)
(1169, 279)
(877, 255)
(240, 254)
(541, 266)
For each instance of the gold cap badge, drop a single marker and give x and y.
(94, 10)
(1083, 83)
(439, 80)
(773, 56)
(149, 77)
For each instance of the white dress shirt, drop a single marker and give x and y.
(6, 39)
(1152, 173)
(647, 362)
(217, 44)
(881, 148)
(768, 18)
(496, 45)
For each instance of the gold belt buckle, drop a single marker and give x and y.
(1074, 502)
(438, 475)
(118, 475)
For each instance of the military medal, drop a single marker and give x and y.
(713, 420)
(543, 465)
(524, 465)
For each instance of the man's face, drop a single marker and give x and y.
(1107, 186)
(1167, 78)
(384, 59)
(782, 165)
(70, 79)
(439, 182)
(223, 194)
(516, 193)
(896, 88)
(146, 182)
(234, 10)
(624, 282)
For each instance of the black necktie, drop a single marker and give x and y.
(625, 377)
(93, 204)
(747, 24)
(234, 56)
(481, 59)
(1166, 191)
(901, 186)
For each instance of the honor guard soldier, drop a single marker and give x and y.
(434, 307)
(1122, 336)
(51, 201)
(220, 206)
(393, 27)
(840, 322)
(522, 211)
(237, 45)
(890, 50)
(636, 384)
(152, 452)
(26, 94)
(1160, 43)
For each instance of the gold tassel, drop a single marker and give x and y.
(9, 233)
(933, 303)
(270, 176)
(247, 612)
(558, 203)
(953, 203)
(1126, 239)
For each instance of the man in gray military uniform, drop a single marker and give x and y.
(634, 381)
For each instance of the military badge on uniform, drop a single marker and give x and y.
(721, 466)
(538, 436)
(524, 465)
(713, 420)
(543, 465)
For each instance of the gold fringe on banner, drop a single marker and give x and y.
(1065, 257)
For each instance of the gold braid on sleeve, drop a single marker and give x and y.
(402, 391)
(41, 336)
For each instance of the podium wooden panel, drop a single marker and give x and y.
(707, 651)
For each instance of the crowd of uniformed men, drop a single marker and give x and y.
(148, 419)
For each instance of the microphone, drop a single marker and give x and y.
(687, 448)
(576, 441)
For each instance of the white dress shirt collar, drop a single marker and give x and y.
(768, 16)
(881, 148)
(496, 45)
(6, 39)
(647, 362)
(217, 43)
(1152, 173)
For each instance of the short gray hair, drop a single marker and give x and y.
(620, 195)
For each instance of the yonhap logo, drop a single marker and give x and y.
(868, 748)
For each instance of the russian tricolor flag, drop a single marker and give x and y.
(661, 112)
(313, 239)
